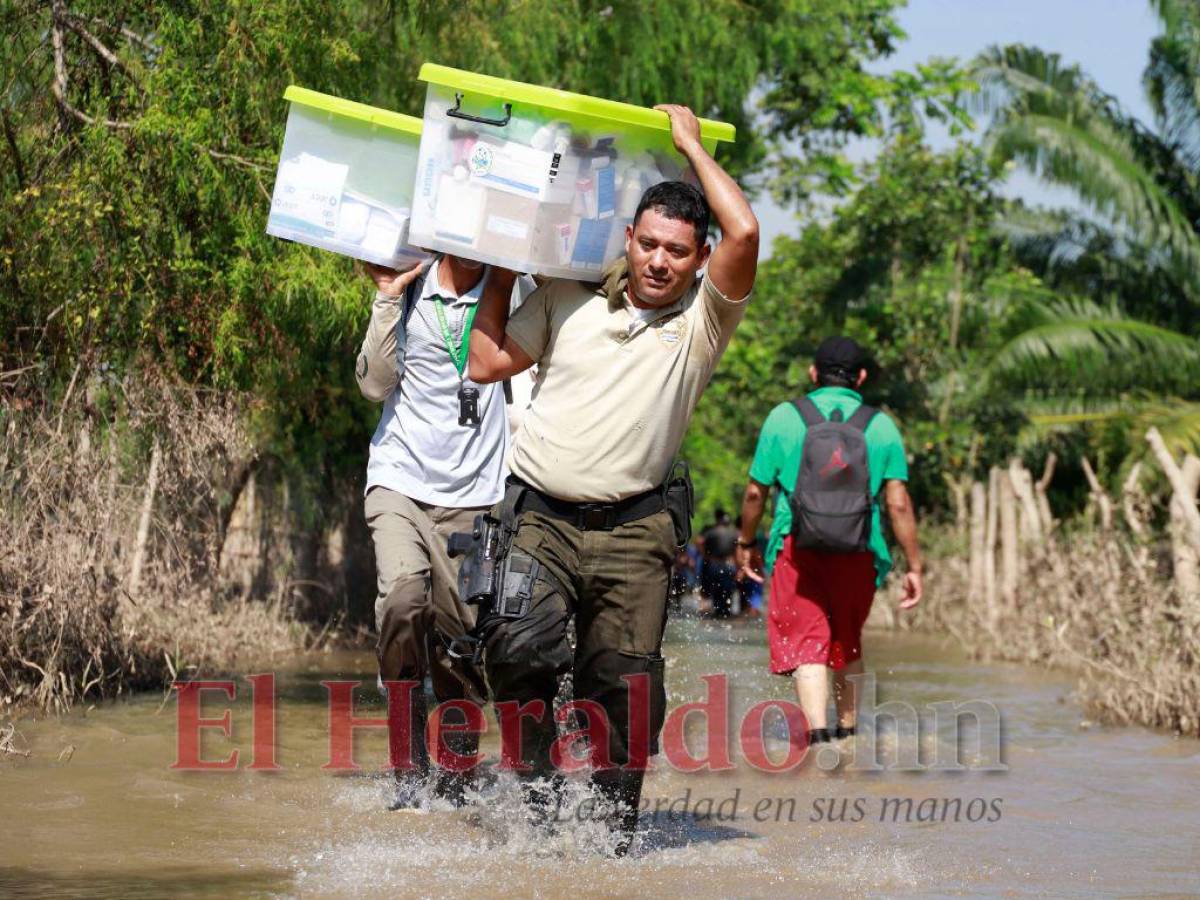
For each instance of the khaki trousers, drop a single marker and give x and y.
(417, 608)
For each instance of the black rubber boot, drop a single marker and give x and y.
(451, 784)
(622, 790)
(412, 782)
(543, 798)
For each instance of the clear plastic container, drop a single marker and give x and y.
(345, 179)
(536, 179)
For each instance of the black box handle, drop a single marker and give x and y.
(457, 113)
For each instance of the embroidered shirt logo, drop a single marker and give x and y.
(671, 332)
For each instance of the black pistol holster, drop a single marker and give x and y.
(498, 583)
(679, 499)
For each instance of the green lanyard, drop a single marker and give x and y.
(459, 354)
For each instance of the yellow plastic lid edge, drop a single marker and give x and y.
(567, 101)
(350, 109)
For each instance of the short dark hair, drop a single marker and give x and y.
(836, 376)
(680, 201)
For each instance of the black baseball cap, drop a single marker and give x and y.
(840, 353)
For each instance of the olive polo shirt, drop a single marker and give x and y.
(777, 463)
(615, 391)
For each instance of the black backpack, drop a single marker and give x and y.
(831, 503)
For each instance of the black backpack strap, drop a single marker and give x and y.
(508, 394)
(410, 298)
(862, 417)
(808, 411)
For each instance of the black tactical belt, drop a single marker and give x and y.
(595, 516)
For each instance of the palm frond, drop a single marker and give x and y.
(1078, 342)
(1063, 128)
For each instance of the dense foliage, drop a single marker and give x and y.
(140, 140)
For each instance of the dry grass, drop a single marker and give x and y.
(1102, 605)
(73, 485)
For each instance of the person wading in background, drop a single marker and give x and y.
(828, 456)
(720, 569)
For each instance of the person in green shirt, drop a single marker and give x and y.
(820, 599)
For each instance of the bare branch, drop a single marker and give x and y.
(1047, 472)
(96, 44)
(1098, 494)
(128, 33)
(59, 85)
(237, 160)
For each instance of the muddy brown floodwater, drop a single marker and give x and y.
(1057, 809)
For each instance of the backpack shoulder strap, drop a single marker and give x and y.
(410, 298)
(862, 417)
(808, 411)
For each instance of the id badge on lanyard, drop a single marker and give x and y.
(468, 395)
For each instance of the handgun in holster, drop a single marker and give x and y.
(478, 578)
(500, 583)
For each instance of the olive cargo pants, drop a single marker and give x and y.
(616, 584)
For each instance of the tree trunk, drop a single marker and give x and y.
(1103, 503)
(143, 532)
(978, 581)
(1133, 503)
(1184, 555)
(1043, 495)
(1010, 551)
(1188, 510)
(1022, 483)
(989, 545)
(959, 488)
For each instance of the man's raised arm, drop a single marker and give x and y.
(493, 356)
(735, 261)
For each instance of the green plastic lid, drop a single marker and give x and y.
(519, 92)
(384, 118)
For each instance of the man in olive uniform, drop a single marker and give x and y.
(621, 366)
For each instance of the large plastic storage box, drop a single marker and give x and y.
(345, 178)
(536, 179)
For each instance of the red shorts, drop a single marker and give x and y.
(819, 604)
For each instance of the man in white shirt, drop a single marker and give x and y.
(437, 460)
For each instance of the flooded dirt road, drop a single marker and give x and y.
(1036, 804)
